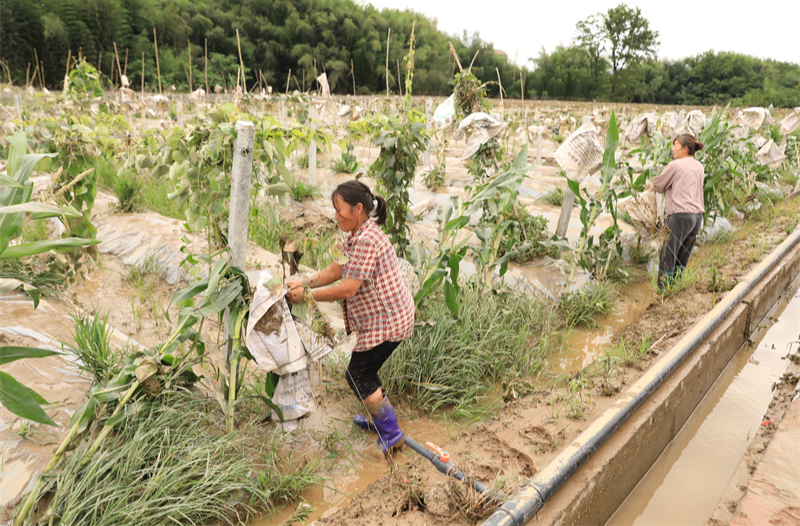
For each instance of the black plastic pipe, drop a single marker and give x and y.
(445, 467)
(523, 506)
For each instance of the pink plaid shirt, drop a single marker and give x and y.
(382, 308)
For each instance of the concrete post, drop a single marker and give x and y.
(240, 192)
(240, 203)
(312, 148)
(429, 116)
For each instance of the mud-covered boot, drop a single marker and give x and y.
(385, 420)
(364, 423)
(666, 278)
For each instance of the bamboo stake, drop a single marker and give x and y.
(399, 84)
(142, 73)
(458, 62)
(296, 83)
(44, 82)
(353, 74)
(315, 74)
(125, 71)
(288, 77)
(191, 74)
(522, 85)
(304, 80)
(100, 67)
(473, 60)
(500, 83)
(387, 60)
(35, 73)
(119, 68)
(69, 57)
(205, 71)
(158, 66)
(241, 63)
(80, 53)
(36, 56)
(28, 75)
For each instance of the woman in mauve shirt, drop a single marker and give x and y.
(682, 180)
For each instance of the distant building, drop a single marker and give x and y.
(501, 53)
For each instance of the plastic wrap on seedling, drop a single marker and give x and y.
(791, 122)
(770, 155)
(641, 125)
(754, 117)
(323, 83)
(695, 120)
(668, 121)
(477, 128)
(581, 153)
(646, 210)
(443, 116)
(272, 337)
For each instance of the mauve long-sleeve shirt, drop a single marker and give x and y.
(682, 180)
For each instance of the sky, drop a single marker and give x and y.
(764, 29)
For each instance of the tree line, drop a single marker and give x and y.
(612, 57)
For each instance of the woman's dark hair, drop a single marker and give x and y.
(355, 192)
(690, 142)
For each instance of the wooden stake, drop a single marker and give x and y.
(100, 66)
(28, 75)
(125, 71)
(142, 72)
(158, 66)
(36, 56)
(205, 72)
(241, 63)
(304, 80)
(399, 84)
(295, 82)
(387, 60)
(522, 85)
(80, 53)
(69, 57)
(473, 60)
(288, 77)
(44, 82)
(500, 83)
(353, 74)
(191, 74)
(119, 68)
(458, 62)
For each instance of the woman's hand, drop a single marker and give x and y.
(295, 294)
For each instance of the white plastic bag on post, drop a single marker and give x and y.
(478, 128)
(696, 120)
(581, 153)
(770, 155)
(271, 335)
(443, 116)
(791, 122)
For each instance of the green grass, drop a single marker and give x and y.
(554, 196)
(533, 230)
(127, 188)
(172, 462)
(302, 191)
(92, 346)
(583, 306)
(455, 363)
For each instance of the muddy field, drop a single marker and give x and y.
(521, 425)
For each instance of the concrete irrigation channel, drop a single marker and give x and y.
(594, 475)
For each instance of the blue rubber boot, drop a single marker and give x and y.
(364, 423)
(389, 433)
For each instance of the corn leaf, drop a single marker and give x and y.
(11, 352)
(17, 398)
(37, 247)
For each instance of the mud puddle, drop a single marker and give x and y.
(584, 344)
(685, 483)
(353, 475)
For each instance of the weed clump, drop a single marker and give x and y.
(554, 196)
(454, 362)
(172, 462)
(583, 306)
(302, 191)
(126, 188)
(532, 229)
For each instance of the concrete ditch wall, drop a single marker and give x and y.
(598, 487)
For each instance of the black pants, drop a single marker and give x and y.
(683, 233)
(362, 373)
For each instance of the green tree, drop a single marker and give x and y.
(630, 39)
(592, 38)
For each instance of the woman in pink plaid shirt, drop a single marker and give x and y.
(377, 303)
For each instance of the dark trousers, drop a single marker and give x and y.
(362, 372)
(683, 233)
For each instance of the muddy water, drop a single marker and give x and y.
(369, 465)
(686, 482)
(584, 344)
